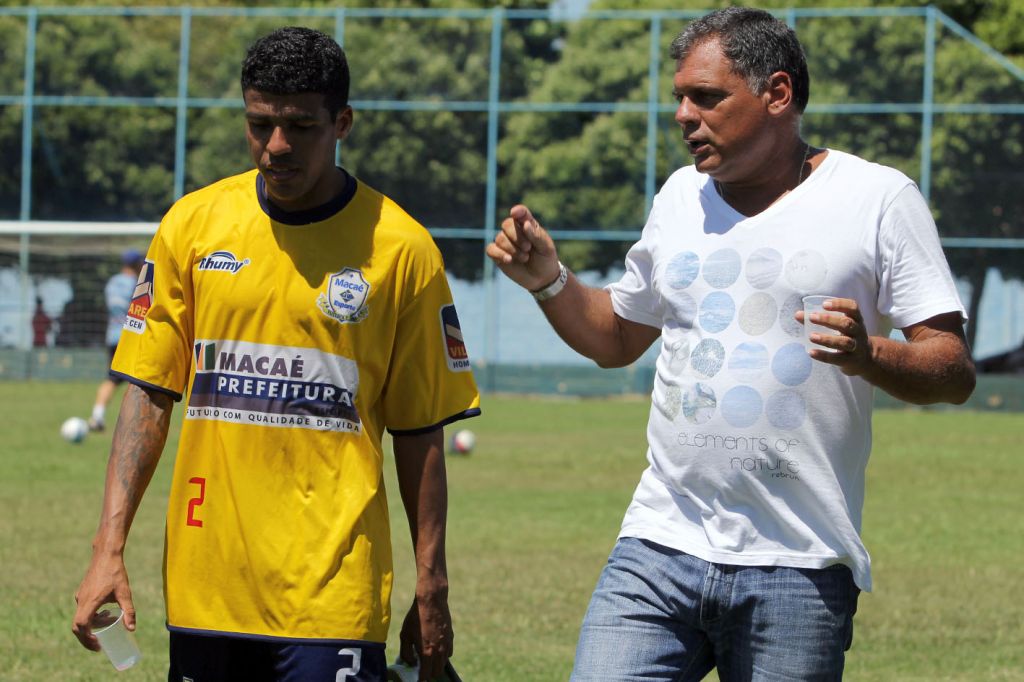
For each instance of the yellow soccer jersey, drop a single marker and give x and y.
(298, 344)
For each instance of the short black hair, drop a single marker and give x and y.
(756, 43)
(294, 60)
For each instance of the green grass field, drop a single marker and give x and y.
(533, 514)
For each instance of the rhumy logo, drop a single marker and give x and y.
(222, 261)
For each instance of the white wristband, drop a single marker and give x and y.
(552, 290)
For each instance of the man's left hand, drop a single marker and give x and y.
(852, 345)
(426, 635)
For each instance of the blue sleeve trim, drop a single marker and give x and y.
(271, 638)
(465, 414)
(146, 385)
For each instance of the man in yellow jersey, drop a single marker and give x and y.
(301, 313)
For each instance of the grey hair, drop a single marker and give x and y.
(756, 43)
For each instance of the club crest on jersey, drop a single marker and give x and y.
(345, 300)
(222, 261)
(454, 345)
(142, 299)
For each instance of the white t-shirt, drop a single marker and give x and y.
(757, 452)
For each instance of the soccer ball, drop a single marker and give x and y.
(463, 442)
(73, 429)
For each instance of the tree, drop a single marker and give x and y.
(117, 162)
(12, 60)
(433, 163)
(578, 170)
(586, 170)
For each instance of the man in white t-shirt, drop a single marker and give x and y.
(741, 548)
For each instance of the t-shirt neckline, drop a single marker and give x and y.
(307, 216)
(809, 182)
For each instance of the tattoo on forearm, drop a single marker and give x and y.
(139, 438)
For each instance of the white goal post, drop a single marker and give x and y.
(52, 275)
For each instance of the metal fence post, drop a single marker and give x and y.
(339, 37)
(339, 26)
(491, 208)
(928, 103)
(25, 211)
(181, 123)
(653, 69)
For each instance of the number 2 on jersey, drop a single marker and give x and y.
(196, 501)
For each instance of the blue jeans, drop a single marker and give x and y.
(661, 614)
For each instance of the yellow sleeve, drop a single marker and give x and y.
(155, 349)
(430, 382)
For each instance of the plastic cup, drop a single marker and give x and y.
(115, 639)
(401, 671)
(816, 304)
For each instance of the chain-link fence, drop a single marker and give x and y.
(109, 114)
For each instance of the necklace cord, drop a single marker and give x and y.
(799, 178)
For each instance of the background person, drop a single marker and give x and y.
(41, 325)
(741, 549)
(304, 313)
(118, 295)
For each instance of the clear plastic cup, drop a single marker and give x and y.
(115, 639)
(401, 671)
(816, 304)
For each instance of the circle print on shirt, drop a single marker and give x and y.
(699, 403)
(764, 267)
(716, 311)
(682, 270)
(707, 357)
(671, 402)
(787, 314)
(748, 361)
(722, 268)
(684, 309)
(757, 314)
(806, 270)
(792, 365)
(741, 406)
(786, 409)
(678, 353)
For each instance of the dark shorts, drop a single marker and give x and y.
(212, 658)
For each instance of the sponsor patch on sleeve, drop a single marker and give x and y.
(454, 344)
(141, 301)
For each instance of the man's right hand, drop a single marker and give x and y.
(139, 438)
(105, 582)
(524, 251)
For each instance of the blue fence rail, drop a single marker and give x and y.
(494, 108)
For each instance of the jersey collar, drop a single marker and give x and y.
(311, 215)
